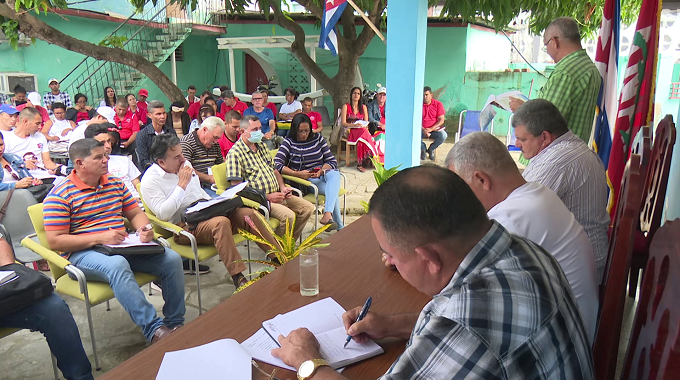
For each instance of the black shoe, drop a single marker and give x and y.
(187, 264)
(423, 155)
(431, 153)
(239, 280)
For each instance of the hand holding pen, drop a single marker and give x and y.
(362, 314)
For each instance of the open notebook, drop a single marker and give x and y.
(324, 319)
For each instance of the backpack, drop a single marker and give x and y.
(28, 287)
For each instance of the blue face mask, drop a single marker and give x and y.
(255, 137)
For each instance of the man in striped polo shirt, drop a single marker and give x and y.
(87, 209)
(202, 149)
(575, 83)
(562, 162)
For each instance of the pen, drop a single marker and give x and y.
(362, 314)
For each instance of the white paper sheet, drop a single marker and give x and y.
(228, 194)
(260, 345)
(363, 123)
(222, 359)
(6, 275)
(132, 240)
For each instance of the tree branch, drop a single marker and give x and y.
(298, 47)
(367, 34)
(311, 7)
(33, 27)
(349, 30)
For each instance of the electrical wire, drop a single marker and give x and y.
(520, 54)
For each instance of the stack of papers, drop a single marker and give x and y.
(132, 240)
(502, 101)
(227, 195)
(222, 359)
(6, 276)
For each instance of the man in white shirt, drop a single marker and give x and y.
(170, 185)
(530, 210)
(562, 162)
(59, 133)
(119, 166)
(28, 142)
(104, 115)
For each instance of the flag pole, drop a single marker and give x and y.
(370, 24)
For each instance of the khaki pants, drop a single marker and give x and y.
(219, 231)
(292, 207)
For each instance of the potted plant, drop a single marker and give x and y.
(286, 250)
(381, 175)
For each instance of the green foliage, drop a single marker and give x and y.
(114, 41)
(286, 250)
(381, 175)
(11, 30)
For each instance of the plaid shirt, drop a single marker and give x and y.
(508, 313)
(255, 167)
(4, 99)
(573, 88)
(62, 97)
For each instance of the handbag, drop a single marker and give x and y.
(224, 208)
(255, 195)
(28, 287)
(40, 191)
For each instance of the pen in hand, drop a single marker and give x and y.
(362, 314)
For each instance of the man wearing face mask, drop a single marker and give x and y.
(249, 160)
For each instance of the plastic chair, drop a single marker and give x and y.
(75, 284)
(653, 346)
(613, 288)
(316, 198)
(468, 122)
(510, 137)
(18, 223)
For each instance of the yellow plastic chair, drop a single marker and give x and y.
(316, 198)
(92, 293)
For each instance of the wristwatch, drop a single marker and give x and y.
(308, 368)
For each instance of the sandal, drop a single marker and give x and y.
(43, 265)
(239, 280)
(333, 225)
(361, 169)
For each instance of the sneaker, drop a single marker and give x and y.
(423, 155)
(189, 265)
(431, 154)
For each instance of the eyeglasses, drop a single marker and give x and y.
(257, 98)
(14, 175)
(270, 376)
(545, 45)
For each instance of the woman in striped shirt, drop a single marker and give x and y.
(305, 154)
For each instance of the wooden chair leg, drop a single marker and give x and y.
(348, 148)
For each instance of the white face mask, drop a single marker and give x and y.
(255, 137)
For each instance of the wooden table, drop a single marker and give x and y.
(350, 271)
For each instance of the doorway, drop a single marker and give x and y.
(254, 72)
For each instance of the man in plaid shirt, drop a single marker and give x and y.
(55, 96)
(501, 308)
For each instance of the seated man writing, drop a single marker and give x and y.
(202, 149)
(501, 307)
(249, 160)
(170, 186)
(88, 209)
(530, 210)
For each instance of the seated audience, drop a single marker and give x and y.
(102, 115)
(433, 124)
(265, 116)
(27, 142)
(314, 117)
(232, 131)
(146, 136)
(141, 101)
(8, 117)
(109, 98)
(230, 102)
(14, 173)
(217, 92)
(202, 150)
(120, 167)
(136, 110)
(180, 120)
(191, 95)
(170, 186)
(59, 133)
(205, 112)
(305, 154)
(501, 307)
(530, 210)
(88, 209)
(291, 107)
(376, 109)
(267, 103)
(562, 162)
(196, 106)
(19, 95)
(249, 160)
(52, 317)
(128, 127)
(356, 132)
(81, 112)
(55, 96)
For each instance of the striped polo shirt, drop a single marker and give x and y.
(196, 153)
(82, 209)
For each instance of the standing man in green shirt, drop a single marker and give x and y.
(575, 83)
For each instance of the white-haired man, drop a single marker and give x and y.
(202, 149)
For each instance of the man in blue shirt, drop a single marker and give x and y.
(266, 117)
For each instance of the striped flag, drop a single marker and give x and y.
(637, 95)
(606, 61)
(331, 14)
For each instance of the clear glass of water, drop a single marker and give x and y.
(309, 272)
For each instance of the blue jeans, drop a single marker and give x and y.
(438, 136)
(52, 317)
(117, 272)
(329, 185)
(282, 132)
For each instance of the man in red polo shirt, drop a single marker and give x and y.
(195, 107)
(142, 104)
(315, 117)
(232, 132)
(433, 124)
(128, 126)
(231, 103)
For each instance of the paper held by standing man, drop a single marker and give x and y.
(500, 101)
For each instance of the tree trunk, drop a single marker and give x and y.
(32, 27)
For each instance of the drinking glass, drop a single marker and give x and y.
(309, 272)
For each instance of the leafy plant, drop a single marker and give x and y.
(381, 175)
(114, 41)
(286, 250)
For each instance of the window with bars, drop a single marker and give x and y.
(674, 91)
(179, 54)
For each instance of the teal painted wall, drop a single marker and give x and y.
(10, 59)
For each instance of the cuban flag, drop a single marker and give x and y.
(331, 14)
(606, 60)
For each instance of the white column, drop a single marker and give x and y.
(173, 65)
(312, 82)
(232, 70)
